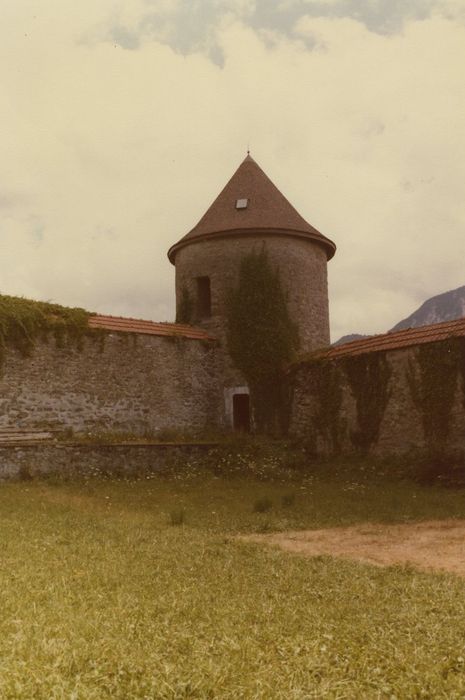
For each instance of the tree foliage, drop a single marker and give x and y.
(262, 338)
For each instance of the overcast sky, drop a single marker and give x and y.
(123, 119)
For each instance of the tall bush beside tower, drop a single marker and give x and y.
(252, 229)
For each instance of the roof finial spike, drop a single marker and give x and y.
(248, 148)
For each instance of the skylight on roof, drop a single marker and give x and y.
(241, 203)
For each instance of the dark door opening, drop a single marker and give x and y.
(241, 412)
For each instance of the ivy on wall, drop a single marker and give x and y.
(368, 376)
(185, 310)
(325, 386)
(262, 338)
(432, 376)
(23, 322)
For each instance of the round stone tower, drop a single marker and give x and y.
(251, 213)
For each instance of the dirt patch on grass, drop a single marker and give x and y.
(433, 545)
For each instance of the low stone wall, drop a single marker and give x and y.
(390, 406)
(72, 459)
(115, 383)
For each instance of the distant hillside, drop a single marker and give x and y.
(443, 307)
(349, 338)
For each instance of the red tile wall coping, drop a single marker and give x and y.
(120, 324)
(397, 340)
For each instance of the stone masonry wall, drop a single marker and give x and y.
(68, 459)
(303, 269)
(401, 429)
(127, 383)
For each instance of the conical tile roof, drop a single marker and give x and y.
(266, 211)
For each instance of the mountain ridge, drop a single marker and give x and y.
(442, 307)
(446, 306)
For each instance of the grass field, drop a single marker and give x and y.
(139, 589)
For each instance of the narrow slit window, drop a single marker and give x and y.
(204, 301)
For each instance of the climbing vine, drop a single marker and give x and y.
(262, 338)
(432, 377)
(326, 387)
(23, 322)
(185, 310)
(368, 376)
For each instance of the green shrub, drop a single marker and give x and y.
(288, 500)
(24, 473)
(446, 469)
(262, 505)
(177, 516)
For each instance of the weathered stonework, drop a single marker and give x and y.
(401, 430)
(129, 383)
(302, 267)
(69, 460)
(141, 377)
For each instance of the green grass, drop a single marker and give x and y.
(101, 597)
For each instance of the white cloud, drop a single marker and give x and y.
(109, 156)
(452, 9)
(322, 3)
